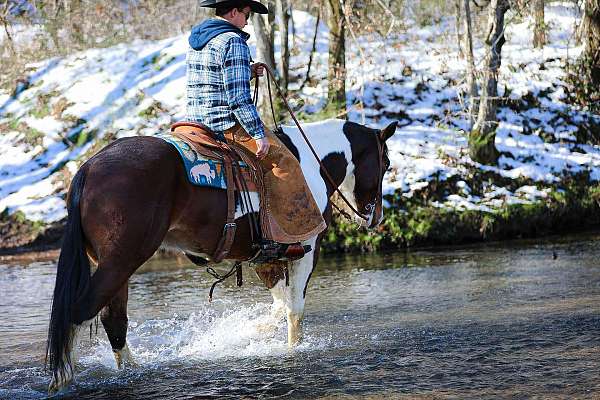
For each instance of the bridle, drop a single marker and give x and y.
(380, 149)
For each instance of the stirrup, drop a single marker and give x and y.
(269, 251)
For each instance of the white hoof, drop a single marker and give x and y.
(124, 358)
(60, 382)
(295, 334)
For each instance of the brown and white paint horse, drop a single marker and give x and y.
(133, 197)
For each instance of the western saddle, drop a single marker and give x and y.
(205, 142)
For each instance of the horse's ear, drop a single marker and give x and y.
(388, 131)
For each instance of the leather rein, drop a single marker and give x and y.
(378, 198)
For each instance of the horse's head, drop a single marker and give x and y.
(363, 186)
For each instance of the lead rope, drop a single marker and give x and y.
(255, 97)
(271, 76)
(236, 269)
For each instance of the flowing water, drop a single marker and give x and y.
(516, 320)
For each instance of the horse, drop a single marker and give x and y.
(133, 197)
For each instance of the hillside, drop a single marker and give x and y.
(546, 180)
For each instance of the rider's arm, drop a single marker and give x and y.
(236, 75)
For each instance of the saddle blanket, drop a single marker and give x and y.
(201, 170)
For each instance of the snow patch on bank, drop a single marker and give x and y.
(414, 77)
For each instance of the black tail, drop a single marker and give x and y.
(72, 281)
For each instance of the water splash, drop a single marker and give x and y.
(224, 331)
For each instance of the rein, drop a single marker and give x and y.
(271, 76)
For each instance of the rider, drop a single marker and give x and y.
(219, 71)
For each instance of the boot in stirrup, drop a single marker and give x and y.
(274, 251)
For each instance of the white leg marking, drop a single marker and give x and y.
(271, 322)
(291, 298)
(124, 358)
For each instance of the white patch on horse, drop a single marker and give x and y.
(254, 200)
(327, 137)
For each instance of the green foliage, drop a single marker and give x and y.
(19, 216)
(41, 111)
(42, 108)
(16, 230)
(33, 137)
(154, 110)
(14, 124)
(83, 138)
(581, 89)
(323, 114)
(572, 204)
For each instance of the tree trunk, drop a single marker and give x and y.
(471, 81)
(457, 15)
(313, 49)
(539, 31)
(5, 24)
(591, 55)
(265, 52)
(482, 146)
(282, 8)
(292, 24)
(75, 22)
(336, 74)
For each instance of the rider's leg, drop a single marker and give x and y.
(290, 212)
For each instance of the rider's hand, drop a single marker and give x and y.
(257, 70)
(263, 148)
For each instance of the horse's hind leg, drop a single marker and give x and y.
(114, 319)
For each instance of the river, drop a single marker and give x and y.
(518, 319)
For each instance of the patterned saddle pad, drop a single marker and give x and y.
(201, 170)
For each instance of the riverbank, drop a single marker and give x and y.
(418, 221)
(546, 179)
(417, 226)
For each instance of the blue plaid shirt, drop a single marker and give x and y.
(218, 85)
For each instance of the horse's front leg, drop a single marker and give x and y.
(292, 296)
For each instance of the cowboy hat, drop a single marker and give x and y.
(255, 6)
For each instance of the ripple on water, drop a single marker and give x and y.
(473, 323)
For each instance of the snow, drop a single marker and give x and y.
(414, 77)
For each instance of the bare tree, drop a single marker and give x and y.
(336, 74)
(4, 15)
(264, 40)
(314, 46)
(50, 11)
(283, 14)
(539, 30)
(265, 50)
(471, 81)
(482, 146)
(591, 55)
(457, 16)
